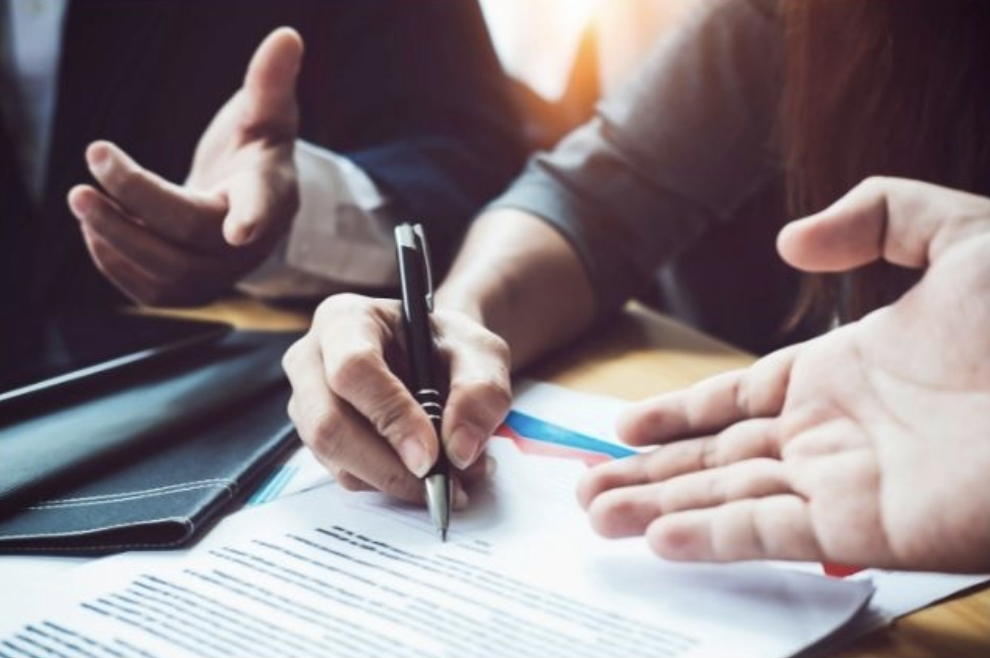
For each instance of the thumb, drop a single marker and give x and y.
(270, 83)
(901, 221)
(259, 204)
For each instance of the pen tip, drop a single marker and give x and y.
(443, 534)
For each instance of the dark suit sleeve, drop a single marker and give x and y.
(425, 111)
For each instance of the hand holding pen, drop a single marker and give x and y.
(353, 409)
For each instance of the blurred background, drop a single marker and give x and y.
(565, 54)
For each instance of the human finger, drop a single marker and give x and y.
(480, 470)
(344, 478)
(480, 392)
(259, 200)
(125, 275)
(185, 217)
(338, 436)
(773, 527)
(270, 84)
(749, 439)
(713, 404)
(627, 511)
(904, 222)
(348, 481)
(352, 332)
(172, 274)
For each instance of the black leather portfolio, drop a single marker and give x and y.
(148, 459)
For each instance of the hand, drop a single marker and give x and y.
(868, 446)
(351, 408)
(162, 243)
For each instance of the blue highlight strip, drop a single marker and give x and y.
(525, 425)
(273, 485)
(539, 430)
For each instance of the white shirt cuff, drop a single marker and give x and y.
(340, 238)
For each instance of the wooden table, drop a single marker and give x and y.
(644, 354)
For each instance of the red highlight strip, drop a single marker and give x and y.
(839, 570)
(529, 446)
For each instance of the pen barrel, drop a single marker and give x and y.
(416, 305)
(430, 400)
(432, 403)
(421, 353)
(419, 334)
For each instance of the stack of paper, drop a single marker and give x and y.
(329, 573)
(324, 572)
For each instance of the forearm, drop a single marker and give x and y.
(522, 280)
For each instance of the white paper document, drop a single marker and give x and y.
(329, 573)
(897, 592)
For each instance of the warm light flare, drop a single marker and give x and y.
(537, 40)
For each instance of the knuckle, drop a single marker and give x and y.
(350, 369)
(500, 395)
(299, 354)
(323, 433)
(711, 454)
(760, 541)
(655, 465)
(494, 344)
(481, 339)
(398, 483)
(332, 306)
(488, 398)
(718, 490)
(496, 395)
(741, 393)
(874, 182)
(290, 359)
(390, 423)
(324, 308)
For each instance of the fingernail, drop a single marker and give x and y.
(413, 454)
(491, 465)
(461, 498)
(81, 204)
(464, 445)
(99, 159)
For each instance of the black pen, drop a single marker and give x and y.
(417, 303)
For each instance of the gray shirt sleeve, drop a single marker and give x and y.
(679, 150)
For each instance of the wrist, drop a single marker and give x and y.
(463, 300)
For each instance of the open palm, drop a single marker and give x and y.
(164, 243)
(868, 446)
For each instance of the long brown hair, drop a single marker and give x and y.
(881, 87)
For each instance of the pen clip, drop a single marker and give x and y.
(424, 250)
(411, 237)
